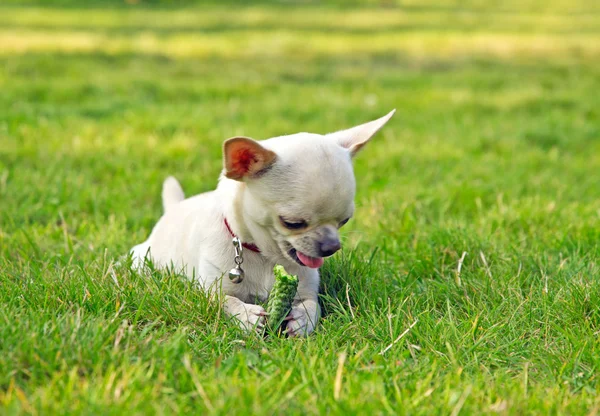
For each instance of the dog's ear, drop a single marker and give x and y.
(355, 138)
(244, 157)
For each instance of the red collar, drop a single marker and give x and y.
(249, 246)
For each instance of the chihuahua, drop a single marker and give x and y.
(285, 199)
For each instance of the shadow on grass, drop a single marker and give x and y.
(300, 28)
(585, 8)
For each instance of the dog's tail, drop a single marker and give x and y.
(172, 194)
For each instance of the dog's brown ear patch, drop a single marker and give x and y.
(244, 157)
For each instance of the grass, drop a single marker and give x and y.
(494, 151)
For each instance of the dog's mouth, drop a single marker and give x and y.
(304, 260)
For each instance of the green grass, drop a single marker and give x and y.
(494, 151)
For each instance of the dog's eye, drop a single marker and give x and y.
(293, 225)
(342, 223)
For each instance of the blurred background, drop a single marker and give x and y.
(497, 106)
(492, 158)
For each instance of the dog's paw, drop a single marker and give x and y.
(252, 317)
(301, 321)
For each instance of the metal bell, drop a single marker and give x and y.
(236, 275)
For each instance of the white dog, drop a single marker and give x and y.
(285, 198)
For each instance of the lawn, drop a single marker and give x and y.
(494, 152)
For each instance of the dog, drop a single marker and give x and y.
(285, 198)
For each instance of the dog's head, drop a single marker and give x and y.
(300, 188)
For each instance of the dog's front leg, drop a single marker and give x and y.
(248, 315)
(306, 311)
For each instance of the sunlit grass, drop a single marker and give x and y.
(315, 43)
(494, 151)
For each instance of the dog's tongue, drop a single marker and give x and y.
(312, 262)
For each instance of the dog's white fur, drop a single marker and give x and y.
(302, 176)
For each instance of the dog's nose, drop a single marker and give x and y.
(329, 246)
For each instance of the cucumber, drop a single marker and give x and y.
(281, 296)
